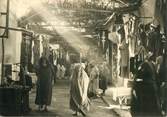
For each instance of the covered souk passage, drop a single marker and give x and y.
(83, 58)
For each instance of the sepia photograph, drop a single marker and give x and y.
(83, 58)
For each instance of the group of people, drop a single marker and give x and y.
(149, 96)
(85, 82)
(99, 75)
(61, 70)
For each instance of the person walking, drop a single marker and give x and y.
(55, 70)
(79, 101)
(103, 77)
(94, 81)
(44, 84)
(62, 72)
(58, 71)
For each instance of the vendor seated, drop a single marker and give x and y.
(8, 77)
(8, 80)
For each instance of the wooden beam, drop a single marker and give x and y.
(16, 29)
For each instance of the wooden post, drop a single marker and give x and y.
(5, 35)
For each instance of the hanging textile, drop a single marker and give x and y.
(126, 26)
(67, 57)
(164, 9)
(124, 54)
(107, 55)
(36, 51)
(160, 14)
(124, 60)
(142, 35)
(132, 36)
(130, 30)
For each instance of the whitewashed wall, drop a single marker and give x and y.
(13, 42)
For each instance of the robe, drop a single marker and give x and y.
(79, 100)
(94, 80)
(145, 100)
(44, 85)
(103, 77)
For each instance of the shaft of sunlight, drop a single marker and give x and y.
(74, 38)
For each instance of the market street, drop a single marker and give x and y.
(94, 58)
(60, 104)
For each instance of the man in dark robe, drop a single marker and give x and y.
(44, 84)
(103, 77)
(154, 41)
(145, 98)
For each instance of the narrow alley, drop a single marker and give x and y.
(60, 104)
(85, 58)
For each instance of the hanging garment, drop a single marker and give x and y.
(159, 13)
(139, 58)
(124, 72)
(126, 26)
(133, 24)
(36, 52)
(143, 38)
(124, 60)
(164, 9)
(124, 52)
(132, 45)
